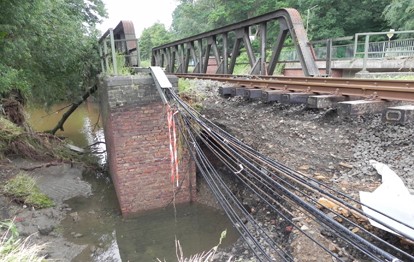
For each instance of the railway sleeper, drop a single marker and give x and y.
(325, 101)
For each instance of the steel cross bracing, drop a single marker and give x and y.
(176, 56)
(282, 190)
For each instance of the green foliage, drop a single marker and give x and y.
(145, 63)
(280, 67)
(188, 92)
(151, 37)
(8, 130)
(23, 188)
(400, 14)
(48, 47)
(121, 67)
(331, 18)
(325, 18)
(241, 69)
(13, 249)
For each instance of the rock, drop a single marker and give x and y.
(75, 217)
(78, 235)
(45, 229)
(304, 167)
(346, 165)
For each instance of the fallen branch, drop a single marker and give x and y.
(66, 115)
(41, 166)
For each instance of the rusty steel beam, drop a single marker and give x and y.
(399, 90)
(290, 22)
(326, 80)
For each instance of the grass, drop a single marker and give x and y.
(13, 248)
(23, 189)
(8, 132)
(121, 68)
(204, 256)
(189, 93)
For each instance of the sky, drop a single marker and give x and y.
(143, 14)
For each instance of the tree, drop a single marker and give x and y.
(48, 47)
(400, 14)
(151, 37)
(330, 18)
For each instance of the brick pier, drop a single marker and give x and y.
(137, 142)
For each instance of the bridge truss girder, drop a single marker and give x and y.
(175, 57)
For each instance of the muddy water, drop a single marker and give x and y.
(96, 223)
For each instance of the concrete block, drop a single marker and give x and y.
(227, 90)
(295, 98)
(239, 91)
(272, 95)
(398, 114)
(253, 93)
(361, 107)
(324, 101)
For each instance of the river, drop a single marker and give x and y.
(108, 236)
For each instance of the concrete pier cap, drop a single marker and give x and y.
(137, 142)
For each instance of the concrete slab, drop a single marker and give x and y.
(272, 95)
(398, 114)
(295, 98)
(324, 101)
(361, 107)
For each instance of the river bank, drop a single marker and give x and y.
(60, 181)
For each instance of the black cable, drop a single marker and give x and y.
(293, 197)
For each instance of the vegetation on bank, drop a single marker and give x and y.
(23, 189)
(189, 92)
(13, 248)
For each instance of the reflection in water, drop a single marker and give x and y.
(77, 127)
(111, 253)
(83, 128)
(109, 236)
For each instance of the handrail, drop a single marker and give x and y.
(124, 48)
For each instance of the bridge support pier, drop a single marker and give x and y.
(137, 142)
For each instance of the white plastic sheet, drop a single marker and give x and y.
(392, 198)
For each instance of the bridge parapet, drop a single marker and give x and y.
(137, 139)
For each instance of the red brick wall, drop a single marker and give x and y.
(137, 140)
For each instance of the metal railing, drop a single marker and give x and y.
(366, 50)
(119, 53)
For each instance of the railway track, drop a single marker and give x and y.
(387, 90)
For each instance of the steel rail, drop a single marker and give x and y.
(396, 90)
(327, 80)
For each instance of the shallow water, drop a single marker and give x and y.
(145, 237)
(108, 236)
